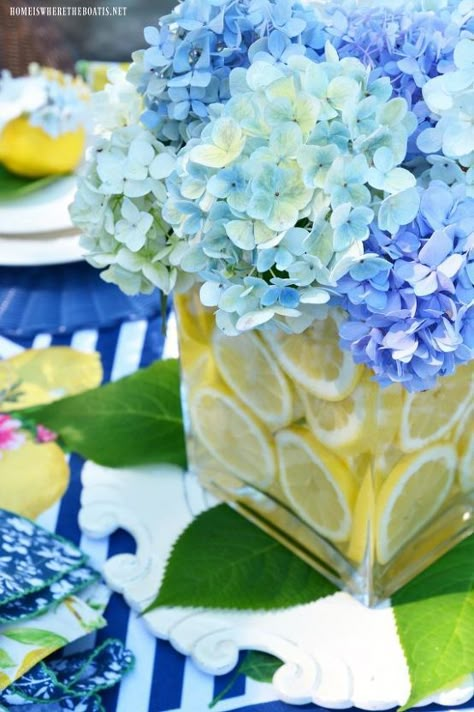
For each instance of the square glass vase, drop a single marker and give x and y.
(368, 484)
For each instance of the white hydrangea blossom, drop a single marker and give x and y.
(120, 197)
(451, 98)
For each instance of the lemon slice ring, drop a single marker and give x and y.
(233, 436)
(411, 496)
(249, 369)
(316, 483)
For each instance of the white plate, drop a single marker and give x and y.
(337, 653)
(39, 250)
(44, 210)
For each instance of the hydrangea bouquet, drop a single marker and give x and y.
(301, 176)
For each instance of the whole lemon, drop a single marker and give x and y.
(31, 152)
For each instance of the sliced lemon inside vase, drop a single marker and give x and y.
(343, 424)
(233, 435)
(431, 415)
(411, 496)
(317, 485)
(249, 369)
(315, 361)
(466, 462)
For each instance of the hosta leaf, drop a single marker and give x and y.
(223, 561)
(133, 421)
(435, 621)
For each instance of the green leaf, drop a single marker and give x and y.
(256, 665)
(260, 666)
(35, 636)
(5, 660)
(435, 621)
(223, 561)
(13, 186)
(136, 420)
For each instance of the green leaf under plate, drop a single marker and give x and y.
(256, 665)
(133, 421)
(435, 621)
(223, 561)
(13, 186)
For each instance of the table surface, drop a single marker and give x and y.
(163, 680)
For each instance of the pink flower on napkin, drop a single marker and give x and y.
(10, 437)
(44, 435)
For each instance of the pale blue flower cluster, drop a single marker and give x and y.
(410, 303)
(451, 99)
(53, 101)
(120, 197)
(275, 200)
(191, 53)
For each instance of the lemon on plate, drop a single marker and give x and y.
(30, 151)
(412, 494)
(249, 370)
(431, 415)
(233, 435)
(317, 485)
(315, 361)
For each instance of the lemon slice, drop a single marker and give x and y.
(233, 435)
(388, 412)
(249, 369)
(316, 362)
(413, 493)
(361, 544)
(195, 322)
(466, 463)
(316, 483)
(343, 424)
(430, 415)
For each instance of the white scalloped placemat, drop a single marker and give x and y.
(337, 653)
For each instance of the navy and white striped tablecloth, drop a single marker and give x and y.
(163, 680)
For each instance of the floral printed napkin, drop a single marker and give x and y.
(31, 558)
(70, 682)
(50, 597)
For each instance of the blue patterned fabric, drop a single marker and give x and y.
(70, 682)
(38, 602)
(30, 558)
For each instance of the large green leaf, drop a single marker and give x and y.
(435, 621)
(223, 561)
(133, 421)
(13, 186)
